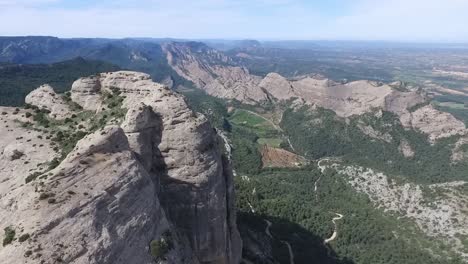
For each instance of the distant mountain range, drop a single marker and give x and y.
(140, 55)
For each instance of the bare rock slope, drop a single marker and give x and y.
(147, 181)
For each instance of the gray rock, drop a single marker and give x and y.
(159, 176)
(45, 97)
(87, 93)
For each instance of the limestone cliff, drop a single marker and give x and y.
(146, 182)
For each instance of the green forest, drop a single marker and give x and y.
(17, 81)
(320, 133)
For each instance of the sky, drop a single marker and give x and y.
(389, 20)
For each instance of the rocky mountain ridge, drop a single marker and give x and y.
(233, 82)
(146, 180)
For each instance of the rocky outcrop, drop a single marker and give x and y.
(45, 97)
(277, 86)
(214, 72)
(437, 209)
(436, 124)
(194, 181)
(90, 209)
(375, 134)
(406, 149)
(460, 151)
(158, 176)
(86, 92)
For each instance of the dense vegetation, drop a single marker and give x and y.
(317, 134)
(213, 108)
(9, 235)
(302, 217)
(17, 81)
(365, 235)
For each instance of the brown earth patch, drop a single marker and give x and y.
(280, 158)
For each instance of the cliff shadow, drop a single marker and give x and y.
(265, 245)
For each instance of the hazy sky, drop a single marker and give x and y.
(400, 20)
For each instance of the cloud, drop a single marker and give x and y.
(411, 20)
(415, 20)
(25, 3)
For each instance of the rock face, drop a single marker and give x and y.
(406, 149)
(86, 92)
(443, 216)
(278, 86)
(45, 97)
(459, 152)
(436, 124)
(214, 72)
(159, 176)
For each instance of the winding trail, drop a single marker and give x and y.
(339, 216)
(290, 145)
(335, 233)
(252, 209)
(291, 253)
(268, 233)
(322, 170)
(267, 229)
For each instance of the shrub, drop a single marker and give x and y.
(53, 164)
(32, 177)
(159, 248)
(24, 237)
(9, 235)
(44, 196)
(17, 155)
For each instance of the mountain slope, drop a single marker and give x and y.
(213, 72)
(138, 55)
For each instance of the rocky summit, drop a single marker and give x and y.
(118, 170)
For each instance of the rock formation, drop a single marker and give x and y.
(86, 92)
(406, 149)
(213, 72)
(45, 97)
(152, 186)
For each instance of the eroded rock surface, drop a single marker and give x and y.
(436, 124)
(45, 97)
(86, 92)
(160, 175)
